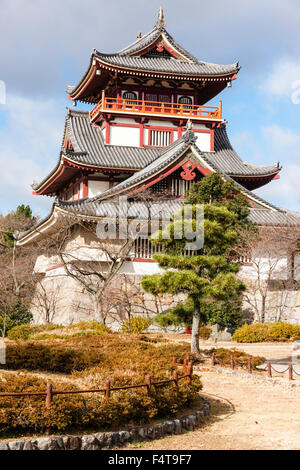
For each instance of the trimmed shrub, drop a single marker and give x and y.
(25, 332)
(260, 332)
(204, 332)
(54, 358)
(89, 325)
(240, 357)
(79, 412)
(137, 325)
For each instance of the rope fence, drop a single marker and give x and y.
(107, 390)
(269, 367)
(250, 366)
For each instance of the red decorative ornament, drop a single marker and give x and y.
(188, 174)
(160, 47)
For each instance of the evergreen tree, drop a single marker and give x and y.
(19, 220)
(208, 277)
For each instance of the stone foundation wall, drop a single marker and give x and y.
(107, 440)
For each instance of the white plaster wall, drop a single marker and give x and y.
(197, 125)
(97, 187)
(127, 136)
(203, 141)
(140, 267)
(297, 267)
(264, 266)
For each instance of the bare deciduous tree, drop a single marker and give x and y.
(270, 252)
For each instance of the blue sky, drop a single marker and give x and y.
(46, 45)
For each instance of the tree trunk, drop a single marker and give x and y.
(263, 310)
(97, 309)
(195, 330)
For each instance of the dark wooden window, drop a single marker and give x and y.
(187, 101)
(129, 96)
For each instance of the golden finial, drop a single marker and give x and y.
(160, 18)
(139, 35)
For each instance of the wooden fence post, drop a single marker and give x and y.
(174, 361)
(232, 362)
(48, 401)
(189, 372)
(148, 384)
(48, 395)
(269, 369)
(184, 365)
(213, 359)
(175, 378)
(290, 371)
(188, 358)
(107, 389)
(250, 365)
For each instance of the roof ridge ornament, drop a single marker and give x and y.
(189, 125)
(189, 136)
(160, 19)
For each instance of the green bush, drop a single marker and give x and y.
(25, 332)
(137, 325)
(260, 332)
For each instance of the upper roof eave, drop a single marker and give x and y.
(128, 59)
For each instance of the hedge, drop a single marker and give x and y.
(261, 332)
(79, 412)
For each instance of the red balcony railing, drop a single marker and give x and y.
(155, 108)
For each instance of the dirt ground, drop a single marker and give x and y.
(247, 415)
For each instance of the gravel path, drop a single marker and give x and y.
(248, 415)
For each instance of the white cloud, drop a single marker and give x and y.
(29, 148)
(284, 146)
(283, 78)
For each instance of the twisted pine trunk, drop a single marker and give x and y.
(195, 330)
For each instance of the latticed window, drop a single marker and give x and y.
(144, 249)
(160, 138)
(155, 53)
(179, 187)
(158, 98)
(160, 187)
(186, 101)
(129, 96)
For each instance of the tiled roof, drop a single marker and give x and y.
(262, 217)
(90, 149)
(227, 160)
(168, 65)
(88, 142)
(93, 208)
(132, 57)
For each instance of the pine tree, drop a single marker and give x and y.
(208, 277)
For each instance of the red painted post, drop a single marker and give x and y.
(290, 371)
(232, 362)
(250, 367)
(269, 369)
(107, 389)
(148, 384)
(213, 359)
(175, 378)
